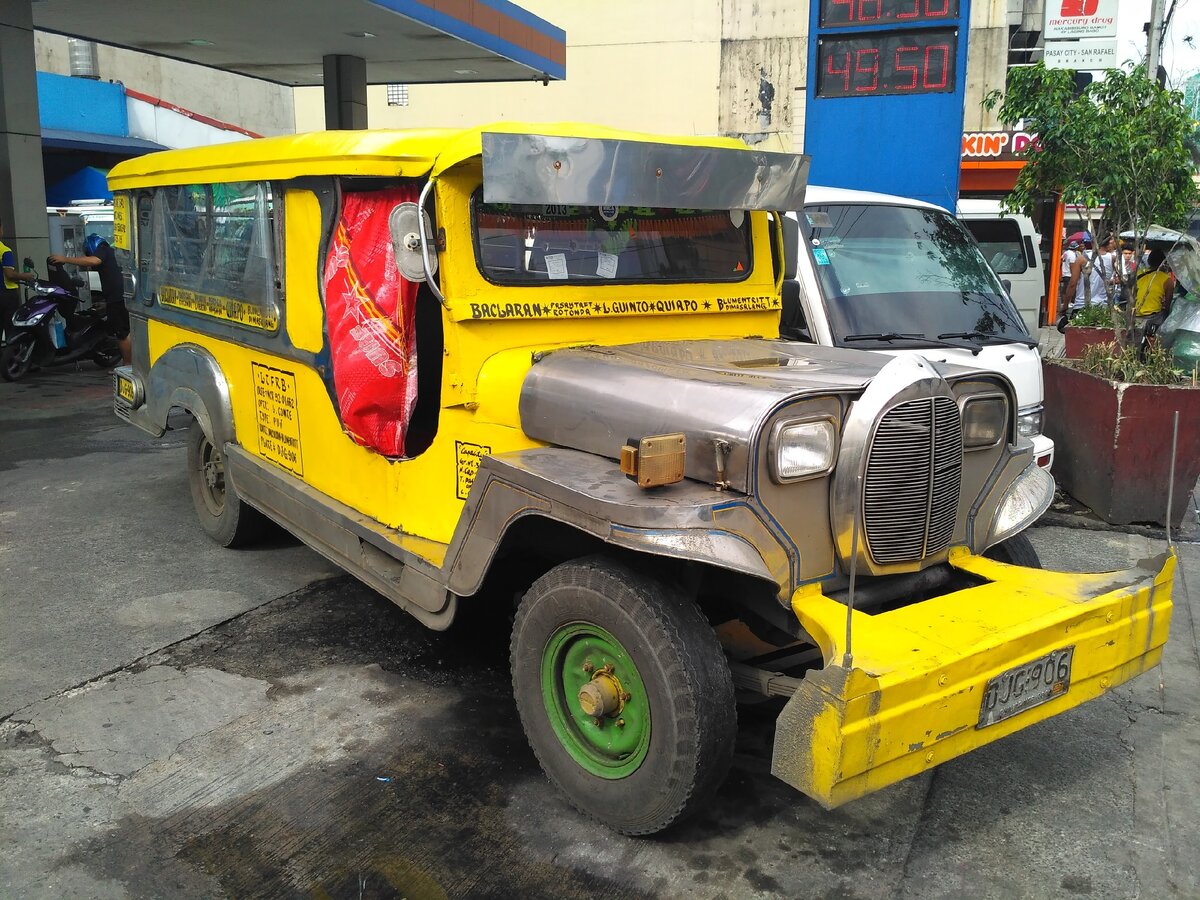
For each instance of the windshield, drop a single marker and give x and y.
(542, 244)
(899, 269)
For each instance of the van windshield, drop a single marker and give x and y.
(538, 245)
(898, 269)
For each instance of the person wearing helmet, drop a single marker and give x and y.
(100, 256)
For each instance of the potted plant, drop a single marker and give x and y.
(1111, 415)
(1090, 326)
(1122, 143)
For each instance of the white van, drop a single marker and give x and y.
(878, 272)
(1011, 246)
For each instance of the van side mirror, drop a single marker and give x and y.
(1006, 283)
(791, 245)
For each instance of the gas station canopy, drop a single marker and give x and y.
(285, 41)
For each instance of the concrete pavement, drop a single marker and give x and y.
(177, 720)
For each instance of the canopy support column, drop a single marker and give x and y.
(22, 182)
(345, 92)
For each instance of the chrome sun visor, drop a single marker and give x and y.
(537, 168)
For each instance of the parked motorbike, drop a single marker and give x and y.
(49, 328)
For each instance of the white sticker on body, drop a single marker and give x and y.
(556, 266)
(606, 265)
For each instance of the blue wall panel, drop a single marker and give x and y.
(79, 104)
(897, 144)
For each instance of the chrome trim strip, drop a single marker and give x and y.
(346, 537)
(422, 225)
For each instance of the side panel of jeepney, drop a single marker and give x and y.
(274, 350)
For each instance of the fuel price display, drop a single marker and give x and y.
(887, 62)
(839, 13)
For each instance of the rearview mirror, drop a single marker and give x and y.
(791, 245)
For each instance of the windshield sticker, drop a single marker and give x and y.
(737, 217)
(573, 309)
(238, 311)
(821, 256)
(277, 417)
(606, 265)
(467, 458)
(819, 219)
(556, 266)
(608, 213)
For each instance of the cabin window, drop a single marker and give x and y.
(551, 244)
(212, 246)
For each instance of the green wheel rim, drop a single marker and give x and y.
(575, 655)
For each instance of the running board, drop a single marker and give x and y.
(344, 536)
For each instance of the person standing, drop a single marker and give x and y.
(1090, 273)
(1155, 286)
(10, 296)
(100, 256)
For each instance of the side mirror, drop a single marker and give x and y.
(28, 262)
(1007, 285)
(791, 245)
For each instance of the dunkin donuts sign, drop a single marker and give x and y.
(1074, 19)
(995, 145)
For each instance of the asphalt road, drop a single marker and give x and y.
(178, 720)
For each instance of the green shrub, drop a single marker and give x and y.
(1117, 363)
(1097, 315)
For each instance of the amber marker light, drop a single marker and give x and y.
(654, 461)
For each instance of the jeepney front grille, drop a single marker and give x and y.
(911, 489)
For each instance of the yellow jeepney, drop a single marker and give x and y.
(550, 354)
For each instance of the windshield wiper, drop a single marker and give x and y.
(884, 336)
(924, 338)
(989, 338)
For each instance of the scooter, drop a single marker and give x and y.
(49, 329)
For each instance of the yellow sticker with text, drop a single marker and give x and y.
(265, 318)
(467, 457)
(278, 417)
(121, 222)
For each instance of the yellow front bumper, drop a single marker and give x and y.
(911, 696)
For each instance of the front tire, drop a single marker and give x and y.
(1016, 550)
(224, 516)
(624, 693)
(16, 359)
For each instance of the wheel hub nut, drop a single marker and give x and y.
(601, 696)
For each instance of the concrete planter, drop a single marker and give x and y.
(1079, 339)
(1113, 443)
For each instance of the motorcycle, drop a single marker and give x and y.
(49, 329)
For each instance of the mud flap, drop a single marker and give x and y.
(922, 684)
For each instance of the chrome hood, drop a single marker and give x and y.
(596, 398)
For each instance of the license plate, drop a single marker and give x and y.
(1026, 686)
(125, 389)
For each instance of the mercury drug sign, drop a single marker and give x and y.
(1074, 19)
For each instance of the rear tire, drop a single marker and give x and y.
(661, 742)
(224, 516)
(16, 359)
(1016, 550)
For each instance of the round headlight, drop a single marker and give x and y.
(984, 422)
(802, 449)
